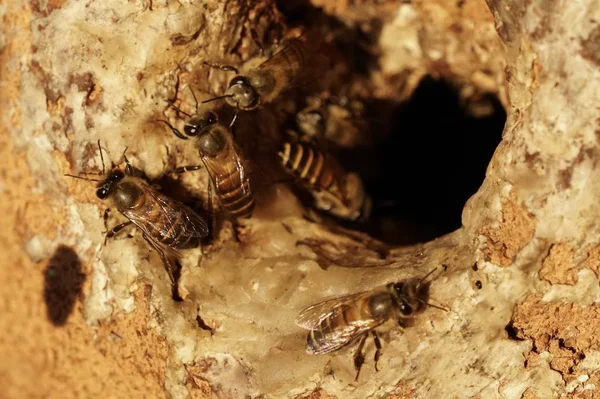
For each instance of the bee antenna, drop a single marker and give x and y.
(178, 109)
(82, 178)
(175, 131)
(217, 98)
(436, 306)
(101, 157)
(128, 167)
(195, 99)
(425, 277)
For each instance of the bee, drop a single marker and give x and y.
(221, 157)
(333, 120)
(166, 224)
(334, 190)
(338, 322)
(261, 85)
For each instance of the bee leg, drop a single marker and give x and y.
(105, 217)
(242, 230)
(256, 41)
(378, 348)
(329, 370)
(236, 231)
(173, 268)
(115, 230)
(174, 271)
(226, 68)
(359, 356)
(211, 211)
(287, 228)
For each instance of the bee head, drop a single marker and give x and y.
(198, 122)
(411, 296)
(241, 94)
(105, 187)
(212, 141)
(401, 299)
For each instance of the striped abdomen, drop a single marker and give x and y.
(235, 193)
(312, 167)
(338, 322)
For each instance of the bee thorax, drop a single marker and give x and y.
(380, 305)
(126, 195)
(211, 143)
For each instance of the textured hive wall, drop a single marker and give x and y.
(80, 318)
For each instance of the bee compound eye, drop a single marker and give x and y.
(212, 118)
(399, 288)
(406, 309)
(190, 130)
(102, 193)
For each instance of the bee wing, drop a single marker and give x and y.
(341, 336)
(329, 339)
(173, 213)
(170, 258)
(284, 56)
(241, 170)
(310, 317)
(301, 57)
(196, 226)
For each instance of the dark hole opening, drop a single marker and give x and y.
(432, 159)
(512, 332)
(202, 324)
(431, 153)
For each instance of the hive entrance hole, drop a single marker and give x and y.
(431, 159)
